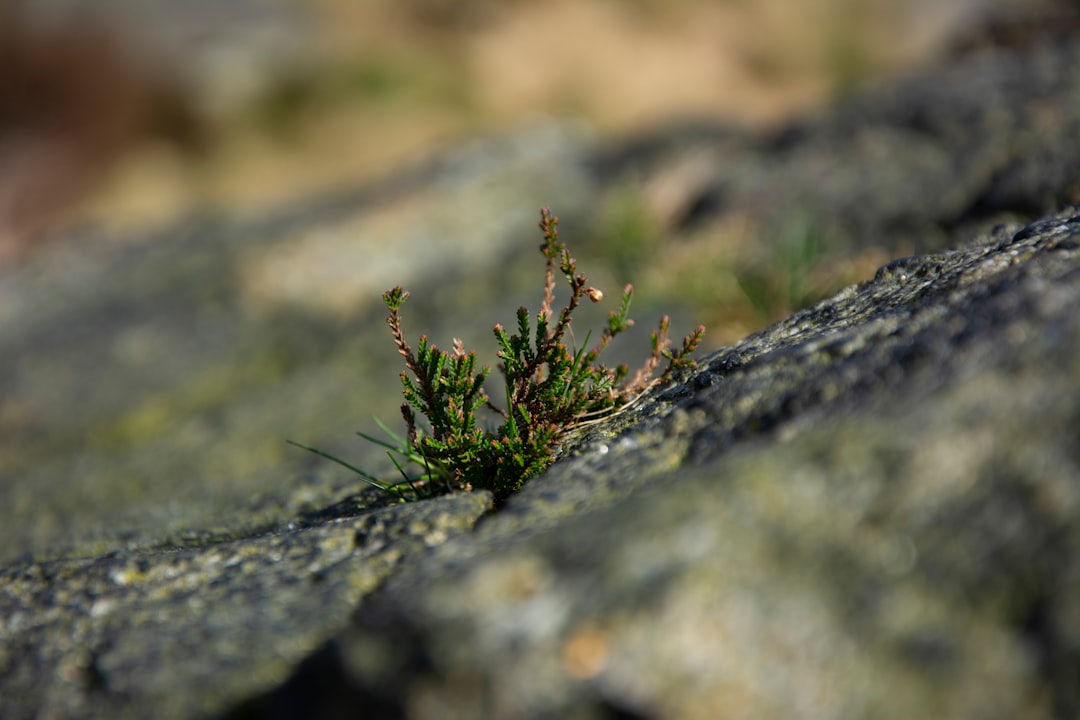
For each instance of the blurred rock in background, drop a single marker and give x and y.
(302, 97)
(74, 99)
(88, 86)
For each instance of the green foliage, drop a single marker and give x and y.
(784, 280)
(626, 232)
(549, 389)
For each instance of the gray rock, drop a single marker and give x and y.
(869, 510)
(920, 163)
(125, 633)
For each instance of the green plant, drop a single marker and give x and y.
(786, 278)
(549, 388)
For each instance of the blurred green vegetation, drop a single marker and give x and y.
(382, 83)
(783, 275)
(735, 277)
(388, 82)
(624, 233)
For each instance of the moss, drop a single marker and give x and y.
(159, 414)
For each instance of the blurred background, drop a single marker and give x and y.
(132, 112)
(201, 201)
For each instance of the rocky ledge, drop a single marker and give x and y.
(871, 509)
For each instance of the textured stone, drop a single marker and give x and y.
(114, 636)
(869, 510)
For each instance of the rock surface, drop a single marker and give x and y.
(915, 164)
(869, 509)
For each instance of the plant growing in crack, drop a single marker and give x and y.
(549, 389)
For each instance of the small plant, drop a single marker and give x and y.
(549, 389)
